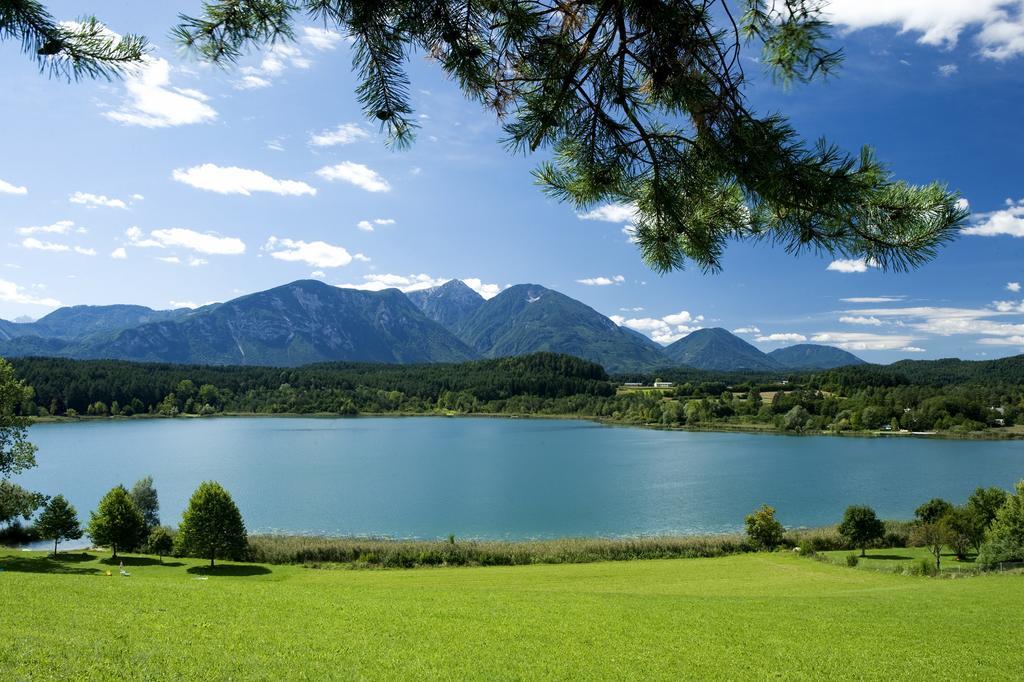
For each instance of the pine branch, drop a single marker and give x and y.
(71, 50)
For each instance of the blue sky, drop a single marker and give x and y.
(187, 184)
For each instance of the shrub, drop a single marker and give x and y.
(852, 560)
(1004, 540)
(924, 566)
(763, 529)
(160, 542)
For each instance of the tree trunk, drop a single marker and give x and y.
(863, 551)
(113, 546)
(211, 559)
(55, 547)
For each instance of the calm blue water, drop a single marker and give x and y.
(502, 478)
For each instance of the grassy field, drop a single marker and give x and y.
(902, 558)
(744, 616)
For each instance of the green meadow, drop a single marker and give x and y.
(746, 616)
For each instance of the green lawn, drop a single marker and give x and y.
(902, 558)
(746, 616)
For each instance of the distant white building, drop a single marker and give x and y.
(663, 384)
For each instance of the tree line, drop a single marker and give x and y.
(863, 398)
(990, 524)
(129, 521)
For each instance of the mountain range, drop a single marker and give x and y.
(309, 321)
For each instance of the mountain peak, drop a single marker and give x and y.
(814, 356)
(718, 349)
(449, 304)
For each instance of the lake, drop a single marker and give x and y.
(506, 478)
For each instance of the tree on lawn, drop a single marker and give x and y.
(966, 530)
(145, 498)
(641, 105)
(933, 510)
(160, 542)
(212, 526)
(987, 502)
(59, 521)
(1004, 540)
(17, 454)
(763, 529)
(931, 534)
(117, 523)
(860, 526)
(68, 49)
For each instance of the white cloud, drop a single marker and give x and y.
(356, 174)
(947, 70)
(859, 341)
(911, 349)
(485, 290)
(1003, 341)
(1013, 286)
(85, 251)
(169, 259)
(251, 82)
(346, 133)
(611, 213)
(365, 225)
(318, 274)
(235, 180)
(196, 262)
(999, 23)
(1008, 221)
(601, 281)
(850, 265)
(92, 200)
(407, 283)
(790, 337)
(12, 293)
(950, 321)
(182, 304)
(384, 221)
(136, 237)
(318, 254)
(37, 245)
(120, 253)
(873, 299)
(746, 330)
(151, 102)
(59, 227)
(663, 330)
(860, 319)
(361, 258)
(203, 242)
(8, 188)
(1008, 306)
(273, 63)
(320, 38)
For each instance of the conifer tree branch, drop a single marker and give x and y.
(639, 102)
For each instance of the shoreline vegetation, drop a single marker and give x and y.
(1001, 433)
(354, 552)
(936, 399)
